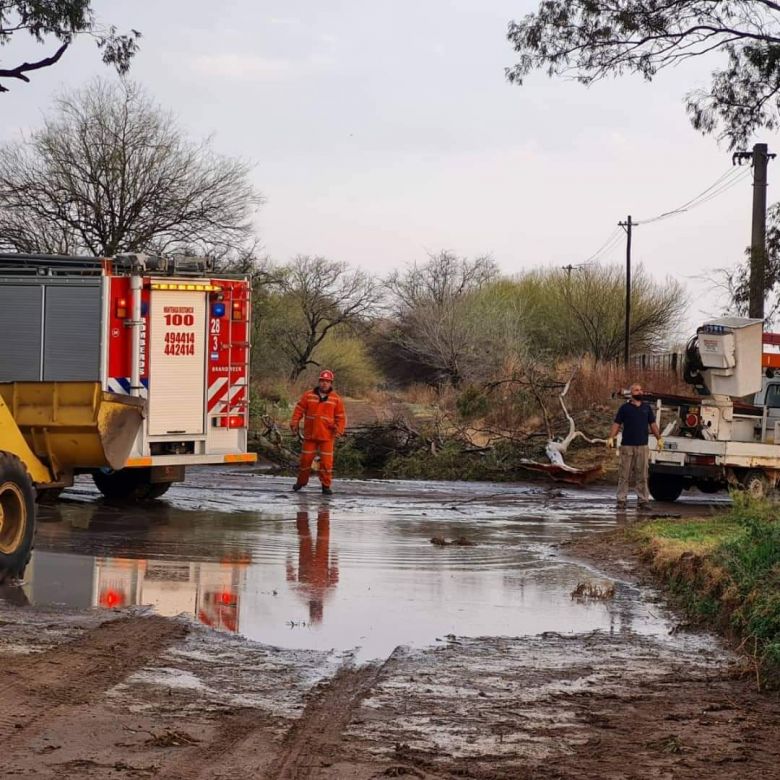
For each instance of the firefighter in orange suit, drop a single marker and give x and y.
(324, 420)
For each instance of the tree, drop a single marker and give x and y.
(61, 20)
(590, 40)
(110, 172)
(311, 297)
(434, 309)
(583, 312)
(736, 281)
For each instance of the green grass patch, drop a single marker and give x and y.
(697, 535)
(725, 570)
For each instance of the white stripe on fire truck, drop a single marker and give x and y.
(216, 386)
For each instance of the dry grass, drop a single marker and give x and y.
(597, 381)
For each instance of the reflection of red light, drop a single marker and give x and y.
(226, 597)
(112, 598)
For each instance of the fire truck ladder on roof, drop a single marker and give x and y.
(231, 407)
(85, 265)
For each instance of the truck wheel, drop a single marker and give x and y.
(17, 516)
(755, 484)
(665, 487)
(129, 485)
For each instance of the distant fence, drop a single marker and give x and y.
(661, 362)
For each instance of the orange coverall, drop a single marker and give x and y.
(323, 419)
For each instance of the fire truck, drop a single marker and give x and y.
(165, 330)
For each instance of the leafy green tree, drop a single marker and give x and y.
(589, 41)
(583, 312)
(61, 21)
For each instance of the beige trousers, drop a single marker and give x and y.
(633, 460)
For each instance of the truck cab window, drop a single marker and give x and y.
(773, 396)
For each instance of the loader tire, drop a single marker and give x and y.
(665, 487)
(129, 485)
(17, 517)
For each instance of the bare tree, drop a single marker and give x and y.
(314, 295)
(443, 277)
(434, 312)
(63, 21)
(111, 172)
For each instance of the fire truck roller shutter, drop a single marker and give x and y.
(71, 339)
(51, 331)
(177, 362)
(21, 326)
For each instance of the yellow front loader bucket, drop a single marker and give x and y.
(67, 426)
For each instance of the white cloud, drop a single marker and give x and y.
(242, 66)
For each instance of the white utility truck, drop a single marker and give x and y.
(728, 436)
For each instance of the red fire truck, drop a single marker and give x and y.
(165, 329)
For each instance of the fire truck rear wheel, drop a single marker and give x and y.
(129, 485)
(665, 487)
(17, 517)
(755, 484)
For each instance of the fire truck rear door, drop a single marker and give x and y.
(177, 362)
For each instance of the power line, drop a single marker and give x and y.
(605, 247)
(723, 183)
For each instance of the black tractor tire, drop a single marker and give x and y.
(755, 484)
(665, 487)
(17, 517)
(129, 485)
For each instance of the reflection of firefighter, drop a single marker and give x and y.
(317, 571)
(324, 420)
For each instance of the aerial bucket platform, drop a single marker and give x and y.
(70, 426)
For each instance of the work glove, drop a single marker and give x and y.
(660, 442)
(611, 443)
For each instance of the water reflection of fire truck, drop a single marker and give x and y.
(208, 590)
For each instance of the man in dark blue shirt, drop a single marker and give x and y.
(636, 418)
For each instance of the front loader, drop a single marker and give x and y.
(50, 431)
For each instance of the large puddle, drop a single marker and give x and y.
(239, 552)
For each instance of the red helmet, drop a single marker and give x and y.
(327, 375)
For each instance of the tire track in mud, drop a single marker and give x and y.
(39, 689)
(243, 745)
(322, 722)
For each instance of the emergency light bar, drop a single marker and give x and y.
(187, 287)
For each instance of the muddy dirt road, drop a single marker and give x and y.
(235, 630)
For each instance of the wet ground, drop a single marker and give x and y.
(240, 552)
(347, 644)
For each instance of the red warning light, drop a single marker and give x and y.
(111, 599)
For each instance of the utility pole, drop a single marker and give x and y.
(760, 157)
(627, 225)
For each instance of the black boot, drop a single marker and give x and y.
(297, 486)
(326, 491)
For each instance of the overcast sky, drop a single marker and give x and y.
(380, 130)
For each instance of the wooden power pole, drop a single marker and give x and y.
(760, 158)
(627, 225)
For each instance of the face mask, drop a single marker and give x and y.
(637, 396)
